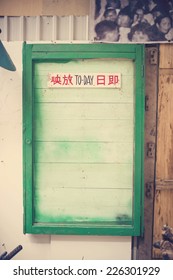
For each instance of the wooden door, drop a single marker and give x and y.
(163, 206)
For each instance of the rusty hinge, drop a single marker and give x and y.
(146, 103)
(153, 56)
(149, 188)
(150, 149)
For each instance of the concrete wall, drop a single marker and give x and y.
(11, 187)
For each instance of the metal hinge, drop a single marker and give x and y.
(149, 187)
(150, 149)
(146, 103)
(153, 56)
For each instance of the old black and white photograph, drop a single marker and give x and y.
(135, 21)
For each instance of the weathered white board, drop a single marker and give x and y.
(84, 145)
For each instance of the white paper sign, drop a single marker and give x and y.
(84, 80)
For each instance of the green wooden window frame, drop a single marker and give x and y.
(35, 53)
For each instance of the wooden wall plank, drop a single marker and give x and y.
(124, 66)
(165, 128)
(84, 111)
(166, 56)
(163, 209)
(84, 130)
(83, 205)
(83, 175)
(84, 152)
(163, 215)
(123, 95)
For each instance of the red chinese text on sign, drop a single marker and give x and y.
(84, 80)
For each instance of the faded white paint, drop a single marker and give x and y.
(11, 187)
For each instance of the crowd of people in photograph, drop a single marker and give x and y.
(133, 20)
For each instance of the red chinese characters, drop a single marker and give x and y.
(62, 80)
(85, 80)
(107, 80)
(113, 79)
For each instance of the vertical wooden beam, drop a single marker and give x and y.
(144, 244)
(165, 126)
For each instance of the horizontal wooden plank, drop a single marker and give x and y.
(83, 205)
(101, 65)
(166, 71)
(98, 176)
(84, 130)
(164, 184)
(84, 111)
(83, 152)
(123, 95)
